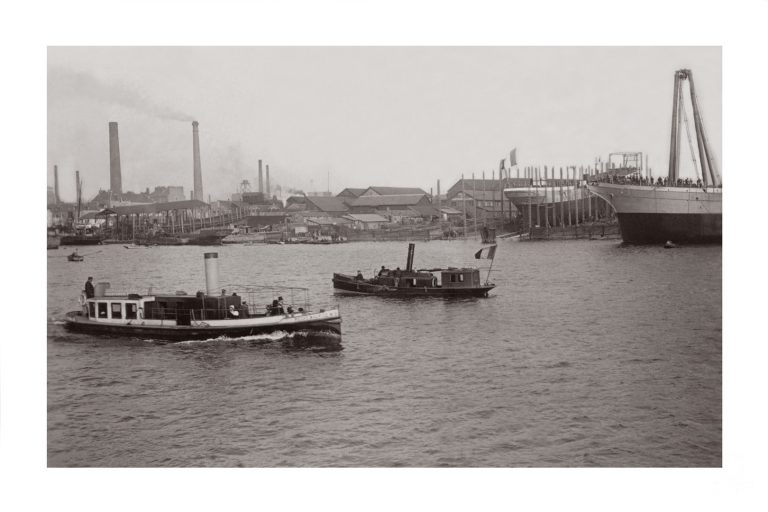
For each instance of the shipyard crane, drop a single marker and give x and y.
(710, 175)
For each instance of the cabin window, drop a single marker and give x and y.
(92, 309)
(117, 310)
(130, 310)
(413, 282)
(453, 278)
(461, 278)
(102, 309)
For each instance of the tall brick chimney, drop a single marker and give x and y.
(56, 184)
(198, 173)
(261, 178)
(115, 177)
(268, 192)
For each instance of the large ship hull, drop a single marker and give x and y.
(649, 214)
(81, 240)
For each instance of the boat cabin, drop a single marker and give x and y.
(174, 309)
(460, 278)
(449, 278)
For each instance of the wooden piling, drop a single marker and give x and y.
(538, 215)
(474, 201)
(568, 189)
(530, 170)
(576, 199)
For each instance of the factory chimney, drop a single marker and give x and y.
(261, 179)
(198, 173)
(115, 177)
(438, 194)
(268, 192)
(211, 260)
(56, 184)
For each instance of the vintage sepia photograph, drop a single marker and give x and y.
(367, 257)
(395, 256)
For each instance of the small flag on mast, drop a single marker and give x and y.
(501, 166)
(490, 252)
(513, 158)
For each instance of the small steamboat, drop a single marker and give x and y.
(452, 282)
(178, 316)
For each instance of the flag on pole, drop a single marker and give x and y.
(513, 158)
(490, 252)
(501, 166)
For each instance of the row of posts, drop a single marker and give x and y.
(560, 196)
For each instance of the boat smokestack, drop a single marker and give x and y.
(268, 192)
(196, 168)
(409, 264)
(261, 179)
(211, 273)
(56, 184)
(115, 176)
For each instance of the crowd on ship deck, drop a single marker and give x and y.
(658, 182)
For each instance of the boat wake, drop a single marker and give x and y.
(299, 340)
(266, 338)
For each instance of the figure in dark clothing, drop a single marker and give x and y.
(359, 276)
(382, 271)
(89, 292)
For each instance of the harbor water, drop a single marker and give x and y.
(588, 353)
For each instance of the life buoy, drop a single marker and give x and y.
(82, 299)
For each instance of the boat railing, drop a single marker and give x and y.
(184, 316)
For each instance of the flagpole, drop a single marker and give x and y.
(491, 265)
(464, 204)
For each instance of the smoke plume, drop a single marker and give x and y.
(82, 85)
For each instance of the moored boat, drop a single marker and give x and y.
(205, 315)
(81, 239)
(452, 282)
(53, 241)
(207, 236)
(75, 257)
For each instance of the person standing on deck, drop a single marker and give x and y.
(89, 292)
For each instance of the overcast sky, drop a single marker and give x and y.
(394, 116)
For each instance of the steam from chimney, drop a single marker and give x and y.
(83, 85)
(196, 168)
(115, 177)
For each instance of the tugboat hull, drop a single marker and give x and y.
(352, 285)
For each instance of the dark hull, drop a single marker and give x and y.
(365, 288)
(81, 240)
(184, 333)
(652, 228)
(169, 240)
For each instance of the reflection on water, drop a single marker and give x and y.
(587, 353)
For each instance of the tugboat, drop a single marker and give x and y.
(178, 316)
(453, 282)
